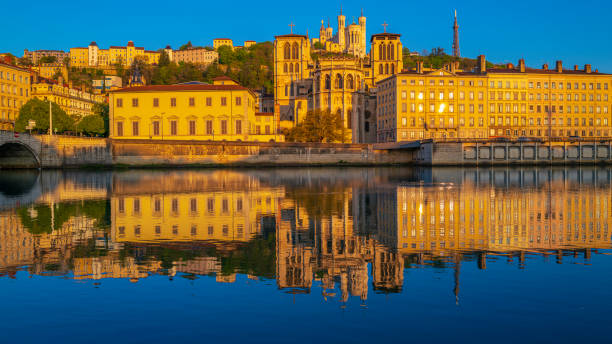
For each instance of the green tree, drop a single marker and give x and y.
(164, 59)
(38, 110)
(47, 59)
(93, 125)
(24, 61)
(318, 126)
(318, 45)
(186, 46)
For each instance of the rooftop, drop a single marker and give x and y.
(182, 87)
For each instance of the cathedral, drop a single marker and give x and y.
(329, 72)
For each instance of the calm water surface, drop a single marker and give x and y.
(305, 255)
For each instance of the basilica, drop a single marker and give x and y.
(331, 72)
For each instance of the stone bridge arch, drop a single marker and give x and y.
(19, 151)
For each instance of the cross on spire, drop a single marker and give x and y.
(291, 26)
(384, 25)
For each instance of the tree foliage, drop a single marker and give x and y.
(93, 125)
(38, 110)
(318, 126)
(47, 59)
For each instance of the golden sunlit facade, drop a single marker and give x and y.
(75, 102)
(219, 42)
(15, 84)
(310, 75)
(222, 111)
(92, 56)
(510, 102)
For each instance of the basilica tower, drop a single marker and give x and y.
(362, 24)
(342, 30)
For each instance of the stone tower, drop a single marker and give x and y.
(342, 30)
(362, 24)
(322, 33)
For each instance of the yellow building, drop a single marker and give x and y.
(218, 42)
(15, 87)
(248, 44)
(49, 70)
(191, 111)
(511, 102)
(75, 102)
(326, 78)
(93, 56)
(201, 56)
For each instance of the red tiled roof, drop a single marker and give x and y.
(156, 88)
(223, 77)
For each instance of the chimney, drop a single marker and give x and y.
(545, 66)
(575, 67)
(509, 66)
(419, 67)
(521, 65)
(587, 68)
(482, 64)
(559, 66)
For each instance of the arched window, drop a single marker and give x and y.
(297, 67)
(287, 51)
(294, 51)
(380, 69)
(387, 68)
(349, 82)
(380, 52)
(327, 82)
(392, 49)
(291, 68)
(285, 68)
(392, 69)
(384, 52)
(339, 82)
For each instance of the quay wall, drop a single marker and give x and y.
(517, 153)
(173, 153)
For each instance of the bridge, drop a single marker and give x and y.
(19, 150)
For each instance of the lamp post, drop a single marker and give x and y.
(50, 120)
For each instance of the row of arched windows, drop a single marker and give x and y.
(291, 51)
(386, 52)
(383, 68)
(354, 37)
(340, 83)
(289, 68)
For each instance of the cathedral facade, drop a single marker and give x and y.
(326, 73)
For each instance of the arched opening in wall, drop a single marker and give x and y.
(339, 82)
(327, 82)
(287, 51)
(349, 82)
(392, 51)
(17, 155)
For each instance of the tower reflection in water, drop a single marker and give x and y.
(340, 232)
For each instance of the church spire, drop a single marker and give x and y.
(456, 37)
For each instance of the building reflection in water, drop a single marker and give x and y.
(337, 231)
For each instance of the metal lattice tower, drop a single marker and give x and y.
(456, 37)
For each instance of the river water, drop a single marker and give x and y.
(302, 255)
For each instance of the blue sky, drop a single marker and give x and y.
(576, 32)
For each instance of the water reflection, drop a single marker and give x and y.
(340, 231)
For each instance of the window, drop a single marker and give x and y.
(155, 102)
(135, 128)
(119, 102)
(239, 127)
(223, 126)
(192, 127)
(223, 101)
(156, 128)
(208, 101)
(238, 100)
(119, 128)
(209, 127)
(191, 101)
(173, 128)
(134, 102)
(173, 102)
